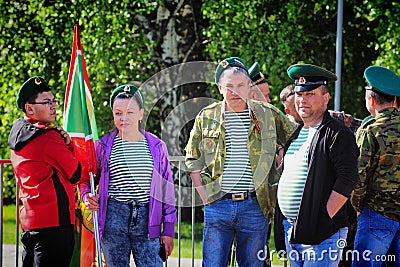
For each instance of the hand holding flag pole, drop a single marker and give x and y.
(80, 123)
(96, 224)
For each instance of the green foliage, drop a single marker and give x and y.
(37, 40)
(278, 34)
(9, 184)
(387, 30)
(120, 46)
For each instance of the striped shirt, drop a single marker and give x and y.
(131, 169)
(237, 175)
(294, 175)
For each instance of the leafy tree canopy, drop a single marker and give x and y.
(124, 41)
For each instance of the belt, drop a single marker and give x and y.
(129, 202)
(239, 196)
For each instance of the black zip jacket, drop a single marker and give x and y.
(332, 165)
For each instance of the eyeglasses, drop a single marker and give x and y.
(47, 103)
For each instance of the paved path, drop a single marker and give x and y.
(9, 259)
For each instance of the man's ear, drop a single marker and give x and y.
(28, 109)
(373, 101)
(327, 96)
(220, 88)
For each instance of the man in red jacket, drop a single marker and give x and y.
(46, 170)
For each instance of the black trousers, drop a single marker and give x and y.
(48, 247)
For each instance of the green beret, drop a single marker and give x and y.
(127, 88)
(308, 77)
(229, 62)
(383, 80)
(256, 75)
(30, 87)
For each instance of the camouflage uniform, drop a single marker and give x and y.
(379, 143)
(206, 149)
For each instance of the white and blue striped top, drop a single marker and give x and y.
(237, 175)
(131, 170)
(294, 175)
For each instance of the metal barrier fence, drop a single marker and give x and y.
(178, 161)
(2, 163)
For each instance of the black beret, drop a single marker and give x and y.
(31, 87)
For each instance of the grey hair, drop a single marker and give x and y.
(234, 70)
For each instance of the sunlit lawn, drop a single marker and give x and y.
(9, 225)
(186, 236)
(186, 242)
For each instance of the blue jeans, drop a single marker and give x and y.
(376, 236)
(327, 253)
(126, 230)
(223, 220)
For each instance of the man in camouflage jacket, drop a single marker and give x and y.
(231, 213)
(377, 196)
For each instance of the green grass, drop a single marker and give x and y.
(186, 242)
(9, 225)
(186, 236)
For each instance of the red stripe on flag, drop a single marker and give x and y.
(80, 122)
(78, 107)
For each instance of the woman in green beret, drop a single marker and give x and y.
(136, 201)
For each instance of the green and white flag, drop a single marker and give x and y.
(80, 123)
(79, 120)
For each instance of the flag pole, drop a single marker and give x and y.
(96, 225)
(79, 120)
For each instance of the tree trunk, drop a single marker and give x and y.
(176, 28)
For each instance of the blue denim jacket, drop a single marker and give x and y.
(162, 209)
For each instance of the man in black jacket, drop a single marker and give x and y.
(320, 171)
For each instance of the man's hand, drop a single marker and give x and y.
(279, 157)
(335, 202)
(195, 175)
(64, 135)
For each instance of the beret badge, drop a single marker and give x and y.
(302, 80)
(127, 88)
(38, 81)
(224, 64)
